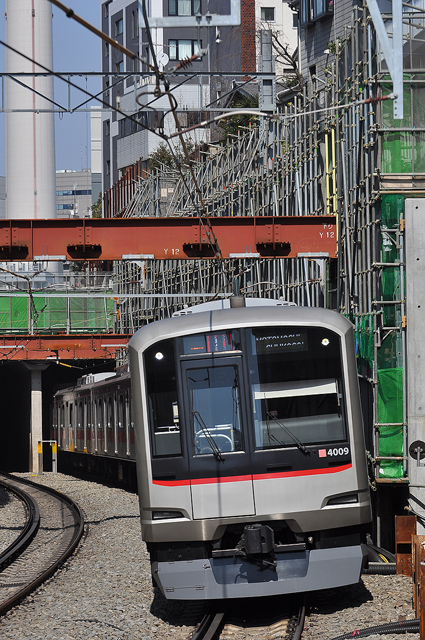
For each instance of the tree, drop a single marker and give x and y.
(230, 126)
(163, 157)
(96, 210)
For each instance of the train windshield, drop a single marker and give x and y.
(296, 387)
(215, 409)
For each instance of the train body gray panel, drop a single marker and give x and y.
(237, 578)
(299, 521)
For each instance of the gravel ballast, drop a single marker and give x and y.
(105, 591)
(12, 518)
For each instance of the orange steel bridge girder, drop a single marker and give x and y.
(167, 238)
(62, 347)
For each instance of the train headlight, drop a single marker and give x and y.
(351, 498)
(166, 515)
(325, 342)
(159, 355)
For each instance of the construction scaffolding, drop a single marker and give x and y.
(328, 151)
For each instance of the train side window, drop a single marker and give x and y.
(163, 409)
(110, 410)
(215, 409)
(100, 414)
(121, 412)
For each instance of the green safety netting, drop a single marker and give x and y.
(392, 206)
(52, 314)
(365, 339)
(404, 151)
(390, 411)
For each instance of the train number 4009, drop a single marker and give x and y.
(341, 451)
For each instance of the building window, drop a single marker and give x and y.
(61, 207)
(312, 10)
(134, 24)
(184, 7)
(107, 127)
(181, 49)
(119, 67)
(267, 14)
(72, 192)
(106, 49)
(106, 10)
(108, 167)
(118, 27)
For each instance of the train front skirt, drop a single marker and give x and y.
(216, 578)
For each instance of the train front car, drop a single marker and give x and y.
(250, 452)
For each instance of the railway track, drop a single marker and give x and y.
(53, 529)
(279, 618)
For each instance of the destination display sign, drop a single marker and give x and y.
(281, 341)
(215, 342)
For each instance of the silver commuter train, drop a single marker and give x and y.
(250, 450)
(93, 421)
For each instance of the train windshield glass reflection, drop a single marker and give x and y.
(215, 342)
(296, 387)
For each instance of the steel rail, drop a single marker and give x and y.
(29, 530)
(48, 567)
(214, 622)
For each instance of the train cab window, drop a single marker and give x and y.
(296, 387)
(161, 383)
(215, 409)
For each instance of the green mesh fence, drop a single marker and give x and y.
(50, 315)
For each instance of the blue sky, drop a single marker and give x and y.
(75, 49)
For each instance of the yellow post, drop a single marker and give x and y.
(40, 458)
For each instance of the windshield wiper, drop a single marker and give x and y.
(214, 448)
(293, 437)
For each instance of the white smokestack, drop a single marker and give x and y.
(30, 144)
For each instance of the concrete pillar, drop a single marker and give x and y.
(415, 307)
(36, 424)
(36, 413)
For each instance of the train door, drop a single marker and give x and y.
(121, 425)
(71, 426)
(219, 450)
(129, 426)
(110, 431)
(99, 422)
(95, 419)
(62, 430)
(88, 421)
(115, 421)
(80, 426)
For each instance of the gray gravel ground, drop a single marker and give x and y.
(105, 592)
(11, 526)
(375, 601)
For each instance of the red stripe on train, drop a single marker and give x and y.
(249, 478)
